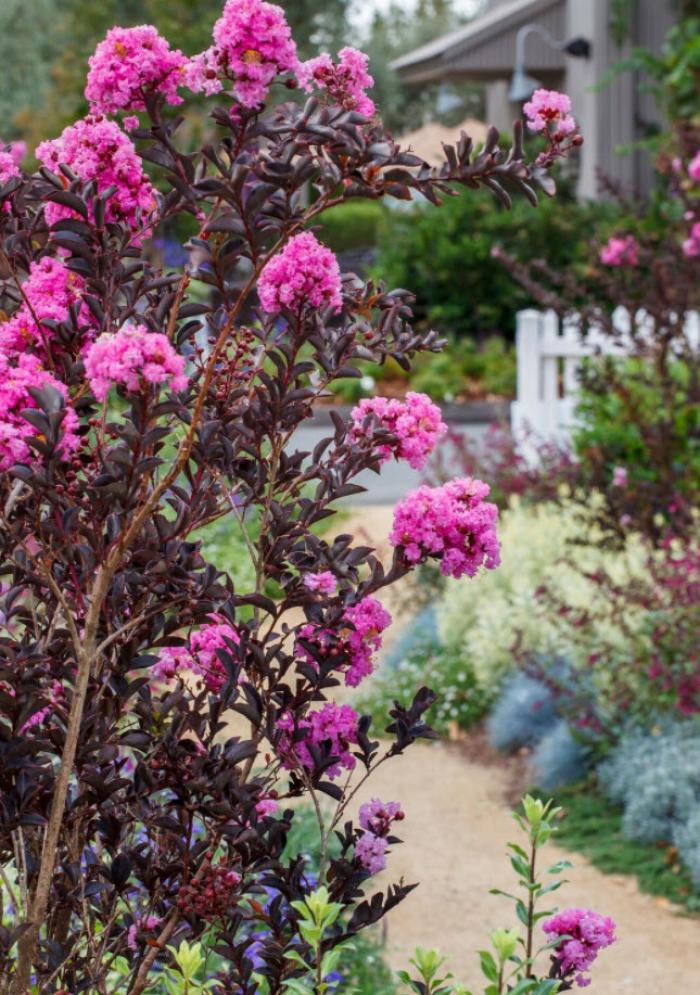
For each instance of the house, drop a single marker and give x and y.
(544, 33)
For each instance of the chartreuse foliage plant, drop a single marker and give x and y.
(159, 714)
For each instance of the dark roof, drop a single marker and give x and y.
(485, 47)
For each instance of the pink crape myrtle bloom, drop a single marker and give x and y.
(132, 357)
(253, 45)
(146, 925)
(8, 167)
(304, 274)
(620, 250)
(371, 851)
(97, 149)
(691, 246)
(356, 643)
(266, 806)
(452, 523)
(549, 110)
(694, 167)
(620, 477)
(588, 933)
(345, 82)
(416, 422)
(323, 583)
(16, 379)
(49, 292)
(200, 657)
(377, 816)
(129, 63)
(333, 724)
(56, 697)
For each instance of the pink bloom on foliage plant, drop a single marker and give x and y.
(49, 292)
(200, 657)
(371, 850)
(691, 246)
(131, 357)
(377, 816)
(345, 82)
(323, 583)
(332, 724)
(353, 645)
(416, 422)
(15, 431)
(8, 167)
(252, 45)
(620, 478)
(304, 274)
(97, 149)
(145, 925)
(452, 523)
(266, 806)
(129, 63)
(620, 250)
(694, 167)
(549, 110)
(587, 932)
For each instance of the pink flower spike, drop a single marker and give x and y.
(452, 524)
(620, 250)
(345, 82)
(132, 357)
(588, 933)
(335, 725)
(304, 274)
(323, 583)
(416, 423)
(130, 63)
(549, 110)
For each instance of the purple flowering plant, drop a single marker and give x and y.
(157, 721)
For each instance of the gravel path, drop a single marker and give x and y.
(455, 832)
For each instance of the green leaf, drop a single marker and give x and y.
(488, 965)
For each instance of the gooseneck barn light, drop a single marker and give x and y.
(523, 86)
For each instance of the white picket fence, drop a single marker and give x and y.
(549, 354)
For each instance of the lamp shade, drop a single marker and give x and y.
(522, 86)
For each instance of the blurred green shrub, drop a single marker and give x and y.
(354, 225)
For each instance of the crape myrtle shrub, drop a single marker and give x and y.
(135, 813)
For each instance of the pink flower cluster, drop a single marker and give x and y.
(344, 81)
(333, 724)
(200, 657)
(49, 291)
(131, 357)
(588, 934)
(323, 583)
(8, 167)
(97, 149)
(550, 111)
(15, 381)
(371, 847)
(356, 642)
(691, 246)
(415, 422)
(452, 523)
(129, 63)
(304, 274)
(620, 250)
(694, 167)
(146, 925)
(56, 696)
(252, 45)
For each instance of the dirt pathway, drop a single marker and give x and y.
(455, 832)
(457, 825)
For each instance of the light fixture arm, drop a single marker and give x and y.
(522, 36)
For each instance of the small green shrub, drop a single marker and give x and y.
(353, 225)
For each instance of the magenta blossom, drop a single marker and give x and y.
(97, 149)
(200, 657)
(333, 724)
(146, 925)
(691, 246)
(620, 477)
(132, 357)
(324, 582)
(355, 644)
(620, 250)
(377, 816)
(371, 851)
(345, 82)
(252, 45)
(9, 169)
(587, 934)
(15, 397)
(694, 167)
(130, 63)
(304, 274)
(415, 422)
(549, 110)
(452, 523)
